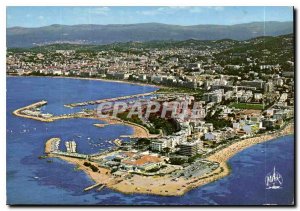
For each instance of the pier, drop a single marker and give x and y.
(69, 154)
(94, 186)
(31, 112)
(52, 147)
(94, 102)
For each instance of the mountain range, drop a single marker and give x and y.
(104, 34)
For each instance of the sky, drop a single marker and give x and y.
(43, 16)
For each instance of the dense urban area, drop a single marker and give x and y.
(242, 89)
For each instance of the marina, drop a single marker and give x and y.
(31, 113)
(213, 168)
(198, 191)
(94, 102)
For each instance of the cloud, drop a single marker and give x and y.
(161, 10)
(41, 17)
(99, 10)
(173, 10)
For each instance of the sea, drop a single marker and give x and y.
(51, 181)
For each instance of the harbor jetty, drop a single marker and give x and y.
(166, 185)
(94, 186)
(52, 149)
(94, 102)
(32, 111)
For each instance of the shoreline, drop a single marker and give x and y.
(92, 79)
(156, 185)
(163, 185)
(139, 131)
(222, 156)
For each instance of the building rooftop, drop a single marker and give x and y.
(142, 160)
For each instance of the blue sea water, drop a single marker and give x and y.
(34, 181)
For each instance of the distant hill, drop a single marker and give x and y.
(105, 34)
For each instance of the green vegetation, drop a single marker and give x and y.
(132, 47)
(271, 50)
(177, 160)
(163, 124)
(176, 90)
(153, 170)
(135, 119)
(94, 168)
(166, 125)
(196, 93)
(247, 106)
(193, 158)
(143, 141)
(216, 121)
(113, 170)
(142, 144)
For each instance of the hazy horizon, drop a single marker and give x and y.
(115, 24)
(35, 17)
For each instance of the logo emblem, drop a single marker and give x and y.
(273, 180)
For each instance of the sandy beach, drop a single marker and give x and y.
(163, 185)
(103, 177)
(158, 185)
(139, 131)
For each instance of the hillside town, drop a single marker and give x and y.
(238, 95)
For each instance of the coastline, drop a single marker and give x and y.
(222, 156)
(93, 79)
(163, 185)
(139, 131)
